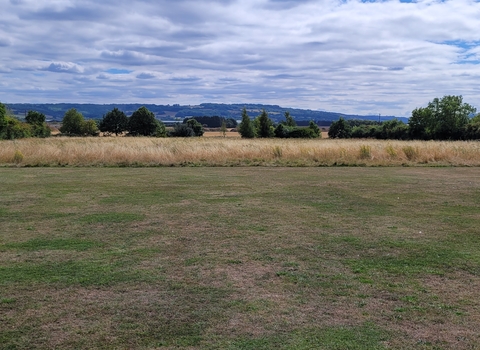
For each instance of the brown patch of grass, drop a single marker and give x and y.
(214, 255)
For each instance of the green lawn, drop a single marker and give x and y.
(239, 258)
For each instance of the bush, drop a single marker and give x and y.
(195, 126)
(89, 128)
(340, 130)
(37, 122)
(181, 130)
(15, 129)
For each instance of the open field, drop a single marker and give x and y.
(239, 258)
(233, 151)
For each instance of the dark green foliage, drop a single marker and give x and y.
(282, 131)
(14, 129)
(214, 121)
(189, 128)
(231, 123)
(90, 128)
(340, 130)
(472, 131)
(264, 125)
(246, 126)
(195, 126)
(11, 128)
(315, 129)
(74, 124)
(37, 123)
(393, 129)
(143, 123)
(442, 119)
(289, 121)
(182, 130)
(420, 124)
(310, 132)
(114, 121)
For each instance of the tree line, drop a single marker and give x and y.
(12, 128)
(263, 127)
(447, 118)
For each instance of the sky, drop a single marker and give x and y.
(359, 57)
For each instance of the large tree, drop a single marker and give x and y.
(38, 125)
(143, 123)
(72, 123)
(289, 121)
(264, 125)
(442, 119)
(3, 121)
(114, 121)
(340, 129)
(245, 128)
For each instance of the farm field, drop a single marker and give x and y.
(240, 258)
(234, 151)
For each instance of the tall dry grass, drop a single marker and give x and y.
(63, 151)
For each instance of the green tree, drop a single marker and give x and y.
(289, 121)
(3, 121)
(340, 130)
(90, 128)
(245, 128)
(442, 119)
(39, 127)
(181, 130)
(421, 123)
(223, 128)
(195, 126)
(72, 123)
(264, 125)
(315, 129)
(114, 121)
(143, 123)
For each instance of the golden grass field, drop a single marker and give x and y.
(234, 151)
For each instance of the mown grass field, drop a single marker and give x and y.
(239, 258)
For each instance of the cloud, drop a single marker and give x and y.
(64, 67)
(348, 56)
(145, 76)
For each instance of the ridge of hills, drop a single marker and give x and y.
(176, 112)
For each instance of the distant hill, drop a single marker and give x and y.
(55, 112)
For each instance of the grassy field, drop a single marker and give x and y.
(233, 151)
(239, 258)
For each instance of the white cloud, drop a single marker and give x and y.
(349, 56)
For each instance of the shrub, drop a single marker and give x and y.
(195, 126)
(17, 157)
(340, 130)
(181, 130)
(15, 129)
